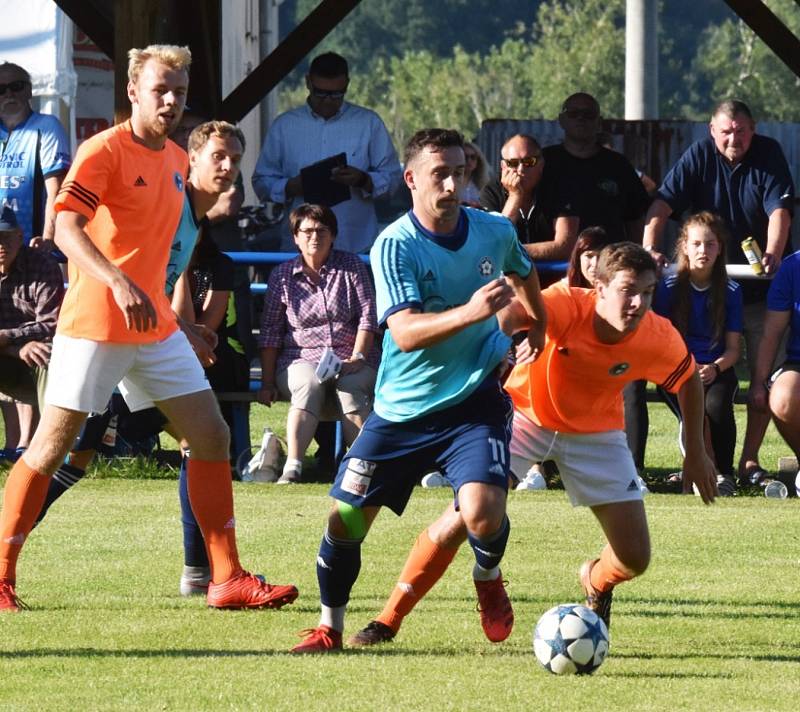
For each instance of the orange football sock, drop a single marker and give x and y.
(425, 565)
(22, 501)
(211, 497)
(604, 575)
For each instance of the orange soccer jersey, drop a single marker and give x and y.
(575, 386)
(132, 197)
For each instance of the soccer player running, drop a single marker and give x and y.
(568, 408)
(439, 281)
(118, 210)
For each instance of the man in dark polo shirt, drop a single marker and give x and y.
(744, 178)
(545, 232)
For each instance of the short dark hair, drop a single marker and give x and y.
(731, 107)
(580, 95)
(329, 65)
(321, 213)
(621, 256)
(435, 139)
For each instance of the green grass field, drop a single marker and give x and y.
(713, 625)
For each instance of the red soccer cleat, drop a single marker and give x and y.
(9, 602)
(322, 639)
(244, 590)
(497, 615)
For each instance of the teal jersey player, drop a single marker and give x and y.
(183, 243)
(415, 268)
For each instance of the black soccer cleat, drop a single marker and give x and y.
(374, 633)
(598, 601)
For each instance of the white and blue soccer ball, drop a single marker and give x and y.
(570, 639)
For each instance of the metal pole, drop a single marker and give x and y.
(641, 59)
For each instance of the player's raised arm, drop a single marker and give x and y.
(72, 240)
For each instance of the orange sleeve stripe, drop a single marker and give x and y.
(675, 376)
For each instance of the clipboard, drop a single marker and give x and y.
(317, 184)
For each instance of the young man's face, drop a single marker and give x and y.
(625, 299)
(158, 97)
(436, 179)
(215, 166)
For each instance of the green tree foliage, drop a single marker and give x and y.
(423, 64)
(391, 28)
(735, 63)
(573, 46)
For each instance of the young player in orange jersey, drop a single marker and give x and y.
(117, 213)
(568, 408)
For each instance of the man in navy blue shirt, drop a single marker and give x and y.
(744, 177)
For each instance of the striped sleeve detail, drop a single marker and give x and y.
(391, 272)
(77, 191)
(675, 376)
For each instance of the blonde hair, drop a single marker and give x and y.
(173, 56)
(202, 132)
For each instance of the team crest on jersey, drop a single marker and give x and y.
(178, 178)
(486, 267)
(619, 368)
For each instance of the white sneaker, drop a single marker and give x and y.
(533, 480)
(434, 479)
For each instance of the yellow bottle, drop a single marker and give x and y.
(753, 254)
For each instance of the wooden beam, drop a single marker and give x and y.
(307, 35)
(91, 21)
(771, 30)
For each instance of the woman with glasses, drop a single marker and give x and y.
(319, 318)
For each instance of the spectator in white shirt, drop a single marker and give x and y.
(325, 126)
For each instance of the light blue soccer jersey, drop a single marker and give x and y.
(182, 244)
(414, 269)
(33, 151)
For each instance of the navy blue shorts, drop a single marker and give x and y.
(466, 443)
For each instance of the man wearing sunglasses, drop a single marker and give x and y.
(542, 225)
(325, 126)
(34, 157)
(601, 185)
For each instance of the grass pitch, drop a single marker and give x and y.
(713, 625)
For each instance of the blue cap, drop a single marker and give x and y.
(8, 220)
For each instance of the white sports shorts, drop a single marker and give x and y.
(83, 373)
(596, 468)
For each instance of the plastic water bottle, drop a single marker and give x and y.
(797, 483)
(776, 490)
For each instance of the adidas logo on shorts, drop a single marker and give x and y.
(139, 183)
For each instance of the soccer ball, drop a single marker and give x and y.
(570, 640)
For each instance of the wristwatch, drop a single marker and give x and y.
(358, 355)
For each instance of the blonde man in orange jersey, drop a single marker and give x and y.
(568, 408)
(118, 209)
